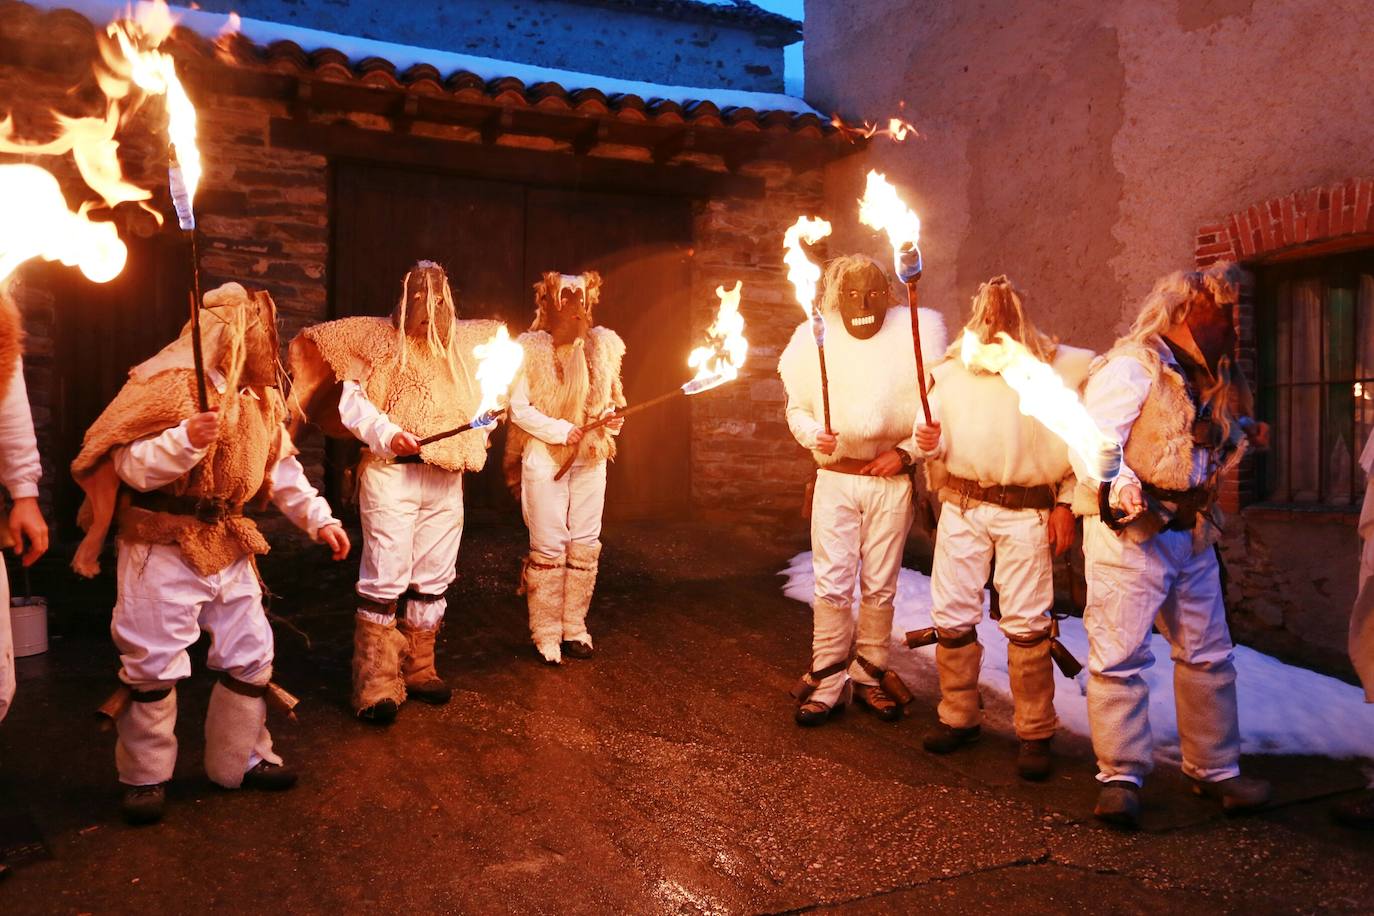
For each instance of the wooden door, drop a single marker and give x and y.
(496, 239)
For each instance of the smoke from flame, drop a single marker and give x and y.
(719, 361)
(497, 362)
(1044, 396)
(882, 209)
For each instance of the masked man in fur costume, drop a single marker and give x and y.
(1007, 496)
(390, 382)
(178, 480)
(20, 471)
(570, 376)
(1165, 391)
(861, 509)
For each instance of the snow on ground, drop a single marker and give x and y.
(262, 32)
(1283, 709)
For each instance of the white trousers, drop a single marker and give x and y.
(412, 517)
(858, 529)
(561, 512)
(1132, 587)
(162, 606)
(966, 541)
(6, 646)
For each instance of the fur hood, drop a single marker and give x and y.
(874, 399)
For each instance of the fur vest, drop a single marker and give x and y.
(235, 469)
(987, 437)
(421, 396)
(577, 385)
(11, 343)
(874, 398)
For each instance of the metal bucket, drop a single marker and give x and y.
(29, 624)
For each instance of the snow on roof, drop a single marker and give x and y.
(264, 33)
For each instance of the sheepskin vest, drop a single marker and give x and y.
(577, 385)
(987, 438)
(421, 396)
(874, 398)
(11, 344)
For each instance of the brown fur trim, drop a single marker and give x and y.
(11, 343)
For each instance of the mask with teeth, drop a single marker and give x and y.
(864, 297)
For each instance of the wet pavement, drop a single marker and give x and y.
(663, 776)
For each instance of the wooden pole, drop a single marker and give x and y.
(912, 298)
(197, 346)
(618, 415)
(493, 415)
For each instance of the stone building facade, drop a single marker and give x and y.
(1087, 147)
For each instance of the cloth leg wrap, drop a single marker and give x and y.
(583, 562)
(1032, 686)
(417, 662)
(831, 637)
(544, 580)
(146, 752)
(376, 663)
(959, 659)
(871, 641)
(1208, 727)
(236, 732)
(1119, 713)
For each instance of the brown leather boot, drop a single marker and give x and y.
(378, 690)
(417, 667)
(877, 701)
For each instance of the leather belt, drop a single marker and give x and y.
(1190, 504)
(210, 510)
(846, 466)
(1041, 496)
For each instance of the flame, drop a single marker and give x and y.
(1044, 396)
(141, 63)
(802, 272)
(497, 362)
(50, 231)
(719, 361)
(880, 208)
(94, 150)
(897, 129)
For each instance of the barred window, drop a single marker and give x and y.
(1314, 335)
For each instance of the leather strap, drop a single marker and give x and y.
(1031, 641)
(1041, 496)
(413, 595)
(958, 641)
(242, 688)
(203, 509)
(846, 466)
(148, 696)
(387, 608)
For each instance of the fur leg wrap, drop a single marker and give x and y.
(958, 661)
(146, 752)
(544, 585)
(1208, 726)
(583, 562)
(376, 664)
(417, 662)
(1032, 687)
(235, 730)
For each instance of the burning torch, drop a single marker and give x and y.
(717, 362)
(497, 362)
(804, 275)
(880, 208)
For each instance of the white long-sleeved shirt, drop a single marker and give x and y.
(544, 430)
(1114, 397)
(155, 461)
(20, 467)
(366, 421)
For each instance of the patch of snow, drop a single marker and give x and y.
(1283, 709)
(262, 32)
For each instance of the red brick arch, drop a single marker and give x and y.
(1316, 218)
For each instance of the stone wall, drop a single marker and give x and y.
(586, 38)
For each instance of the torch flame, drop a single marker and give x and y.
(1044, 396)
(719, 361)
(880, 208)
(803, 273)
(497, 362)
(49, 230)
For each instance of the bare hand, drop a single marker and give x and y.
(826, 442)
(336, 539)
(1259, 435)
(885, 465)
(1131, 500)
(403, 443)
(928, 437)
(203, 429)
(574, 436)
(1061, 530)
(27, 527)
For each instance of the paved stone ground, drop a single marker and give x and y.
(664, 776)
